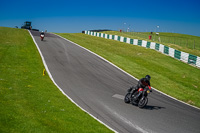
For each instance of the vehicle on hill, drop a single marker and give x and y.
(27, 25)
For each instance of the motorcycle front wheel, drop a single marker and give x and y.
(143, 102)
(127, 98)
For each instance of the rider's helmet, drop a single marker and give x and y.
(148, 77)
(42, 31)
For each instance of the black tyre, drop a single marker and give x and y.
(127, 98)
(143, 102)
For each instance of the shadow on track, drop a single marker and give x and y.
(149, 107)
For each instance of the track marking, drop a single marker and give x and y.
(118, 96)
(131, 123)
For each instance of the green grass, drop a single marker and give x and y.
(169, 75)
(180, 42)
(29, 101)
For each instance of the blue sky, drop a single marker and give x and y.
(73, 16)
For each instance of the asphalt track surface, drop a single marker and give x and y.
(98, 87)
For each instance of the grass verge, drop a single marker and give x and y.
(29, 101)
(183, 43)
(169, 75)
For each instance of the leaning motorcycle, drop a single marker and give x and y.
(138, 98)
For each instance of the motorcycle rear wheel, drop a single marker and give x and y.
(143, 102)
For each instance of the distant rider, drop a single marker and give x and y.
(42, 33)
(142, 83)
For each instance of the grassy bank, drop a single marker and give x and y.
(169, 75)
(29, 101)
(180, 42)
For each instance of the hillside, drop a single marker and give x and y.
(186, 43)
(29, 101)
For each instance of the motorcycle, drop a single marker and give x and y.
(138, 98)
(42, 37)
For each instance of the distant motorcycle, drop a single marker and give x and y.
(141, 100)
(42, 37)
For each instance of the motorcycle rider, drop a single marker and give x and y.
(42, 33)
(142, 83)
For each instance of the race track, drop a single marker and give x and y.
(99, 87)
